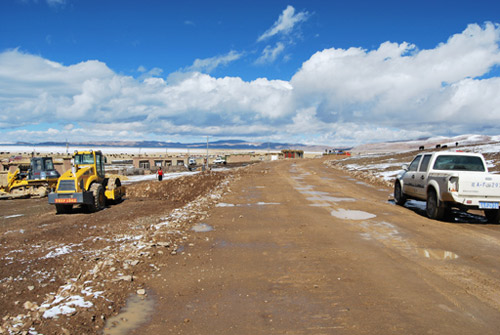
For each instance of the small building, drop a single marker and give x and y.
(290, 153)
(168, 164)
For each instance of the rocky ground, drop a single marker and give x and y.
(69, 273)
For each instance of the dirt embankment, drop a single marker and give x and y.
(67, 274)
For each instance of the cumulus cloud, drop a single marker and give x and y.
(285, 23)
(398, 85)
(209, 64)
(337, 97)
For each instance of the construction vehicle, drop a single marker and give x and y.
(31, 179)
(86, 184)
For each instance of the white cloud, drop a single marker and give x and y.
(337, 97)
(209, 64)
(269, 54)
(398, 85)
(285, 23)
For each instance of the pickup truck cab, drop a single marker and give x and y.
(449, 179)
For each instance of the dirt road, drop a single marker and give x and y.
(288, 247)
(298, 248)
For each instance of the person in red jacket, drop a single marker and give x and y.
(159, 174)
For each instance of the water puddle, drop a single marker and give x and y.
(314, 192)
(261, 203)
(327, 198)
(202, 228)
(414, 204)
(437, 254)
(223, 204)
(304, 188)
(137, 311)
(351, 214)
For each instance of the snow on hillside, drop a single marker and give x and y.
(382, 165)
(450, 142)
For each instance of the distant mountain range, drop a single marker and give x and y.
(221, 144)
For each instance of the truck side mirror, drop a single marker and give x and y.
(405, 167)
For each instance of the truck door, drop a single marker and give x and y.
(421, 177)
(409, 176)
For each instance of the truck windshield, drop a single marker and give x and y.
(84, 159)
(459, 163)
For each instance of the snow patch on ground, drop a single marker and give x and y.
(166, 176)
(65, 249)
(65, 305)
(12, 216)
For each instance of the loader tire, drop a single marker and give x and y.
(99, 198)
(112, 184)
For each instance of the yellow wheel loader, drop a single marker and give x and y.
(33, 179)
(86, 184)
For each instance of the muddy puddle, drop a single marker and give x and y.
(352, 214)
(223, 204)
(437, 254)
(137, 311)
(314, 192)
(202, 228)
(327, 198)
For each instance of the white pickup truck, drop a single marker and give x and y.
(449, 179)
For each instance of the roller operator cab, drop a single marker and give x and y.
(86, 184)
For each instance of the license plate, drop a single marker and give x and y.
(65, 200)
(488, 205)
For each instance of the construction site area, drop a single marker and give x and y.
(295, 246)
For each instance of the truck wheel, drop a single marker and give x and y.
(63, 209)
(399, 196)
(435, 209)
(99, 198)
(493, 215)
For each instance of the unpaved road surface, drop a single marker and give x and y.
(298, 248)
(288, 247)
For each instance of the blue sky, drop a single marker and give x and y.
(316, 72)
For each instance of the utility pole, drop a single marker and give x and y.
(207, 153)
